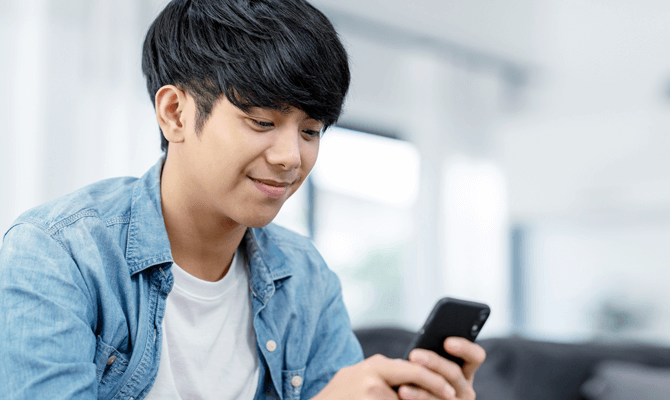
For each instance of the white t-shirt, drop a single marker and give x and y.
(209, 342)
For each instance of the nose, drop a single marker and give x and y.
(285, 151)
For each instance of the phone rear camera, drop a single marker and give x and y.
(483, 315)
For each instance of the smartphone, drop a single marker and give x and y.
(450, 317)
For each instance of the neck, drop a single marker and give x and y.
(202, 241)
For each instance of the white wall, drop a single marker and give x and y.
(593, 135)
(599, 281)
(589, 174)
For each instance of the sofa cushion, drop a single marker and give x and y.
(389, 341)
(615, 380)
(523, 369)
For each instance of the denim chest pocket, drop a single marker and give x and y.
(110, 367)
(292, 383)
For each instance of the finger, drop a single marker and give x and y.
(472, 353)
(384, 392)
(402, 372)
(414, 393)
(448, 369)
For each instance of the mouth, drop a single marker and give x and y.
(271, 188)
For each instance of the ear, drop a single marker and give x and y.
(172, 106)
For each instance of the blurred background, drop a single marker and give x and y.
(510, 152)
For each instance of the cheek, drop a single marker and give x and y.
(309, 155)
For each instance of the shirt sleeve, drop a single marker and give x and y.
(335, 346)
(47, 340)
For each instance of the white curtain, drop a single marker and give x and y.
(73, 101)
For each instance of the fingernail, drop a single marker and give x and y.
(453, 345)
(418, 356)
(449, 391)
(408, 392)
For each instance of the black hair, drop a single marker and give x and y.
(258, 53)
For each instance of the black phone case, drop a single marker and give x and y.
(450, 317)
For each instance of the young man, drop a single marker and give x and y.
(176, 285)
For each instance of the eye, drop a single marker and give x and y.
(263, 124)
(312, 133)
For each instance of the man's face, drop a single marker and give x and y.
(243, 166)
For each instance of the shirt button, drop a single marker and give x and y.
(111, 360)
(296, 381)
(271, 345)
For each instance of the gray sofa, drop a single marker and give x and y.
(521, 369)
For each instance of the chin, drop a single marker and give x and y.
(259, 221)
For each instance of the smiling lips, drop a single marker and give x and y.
(271, 188)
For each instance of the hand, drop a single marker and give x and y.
(374, 378)
(459, 379)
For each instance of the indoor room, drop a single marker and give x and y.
(512, 152)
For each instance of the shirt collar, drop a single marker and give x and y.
(148, 243)
(267, 263)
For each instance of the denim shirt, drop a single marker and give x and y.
(83, 283)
